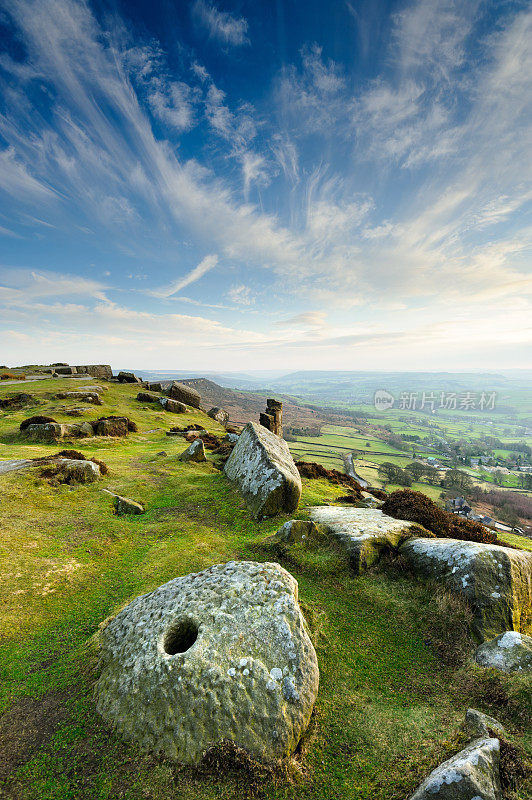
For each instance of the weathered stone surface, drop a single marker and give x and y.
(128, 377)
(219, 415)
(263, 468)
(47, 432)
(155, 386)
(272, 419)
(472, 774)
(96, 370)
(496, 581)
(220, 655)
(66, 370)
(92, 388)
(85, 397)
(123, 506)
(231, 438)
(173, 406)
(147, 397)
(77, 430)
(510, 652)
(365, 533)
(299, 530)
(72, 470)
(479, 724)
(195, 452)
(185, 394)
(112, 427)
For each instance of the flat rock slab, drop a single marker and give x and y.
(14, 465)
(263, 468)
(365, 533)
(223, 654)
(510, 652)
(472, 774)
(495, 580)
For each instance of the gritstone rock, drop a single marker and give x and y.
(510, 652)
(123, 505)
(196, 452)
(220, 655)
(472, 774)
(219, 415)
(495, 580)
(185, 394)
(173, 406)
(263, 468)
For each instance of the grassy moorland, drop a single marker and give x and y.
(393, 653)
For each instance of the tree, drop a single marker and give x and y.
(457, 480)
(391, 473)
(415, 469)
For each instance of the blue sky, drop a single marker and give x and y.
(255, 185)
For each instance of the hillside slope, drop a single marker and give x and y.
(394, 684)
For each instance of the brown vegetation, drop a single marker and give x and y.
(417, 507)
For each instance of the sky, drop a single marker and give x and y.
(266, 184)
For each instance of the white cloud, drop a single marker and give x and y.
(241, 294)
(221, 25)
(205, 265)
(174, 104)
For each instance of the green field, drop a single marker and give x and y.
(389, 706)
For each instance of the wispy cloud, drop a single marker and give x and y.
(221, 25)
(205, 265)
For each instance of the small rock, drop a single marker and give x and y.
(231, 438)
(510, 652)
(196, 452)
(128, 377)
(173, 406)
(479, 724)
(472, 774)
(147, 397)
(123, 505)
(117, 426)
(219, 415)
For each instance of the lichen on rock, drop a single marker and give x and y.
(219, 655)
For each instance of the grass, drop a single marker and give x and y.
(388, 709)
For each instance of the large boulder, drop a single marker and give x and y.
(185, 394)
(173, 406)
(96, 370)
(196, 452)
(73, 471)
(263, 468)
(44, 432)
(113, 426)
(220, 655)
(510, 652)
(147, 397)
(472, 774)
(364, 533)
(77, 430)
(495, 580)
(219, 415)
(128, 377)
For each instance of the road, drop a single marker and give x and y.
(348, 461)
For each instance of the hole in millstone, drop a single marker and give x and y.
(180, 637)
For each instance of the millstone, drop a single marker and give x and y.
(219, 655)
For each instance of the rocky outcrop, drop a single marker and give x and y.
(263, 468)
(83, 397)
(272, 418)
(222, 655)
(53, 431)
(219, 415)
(155, 386)
(496, 581)
(299, 530)
(364, 533)
(71, 471)
(477, 724)
(510, 652)
(95, 370)
(128, 377)
(113, 426)
(65, 370)
(147, 397)
(184, 394)
(196, 452)
(173, 406)
(472, 774)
